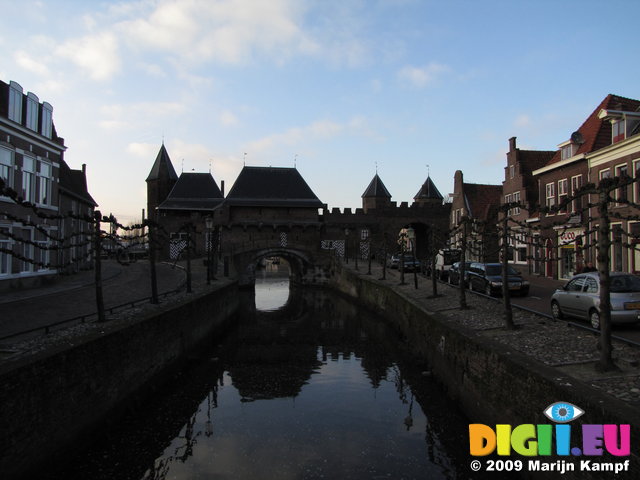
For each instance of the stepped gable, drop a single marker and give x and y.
(596, 132)
(74, 183)
(376, 189)
(271, 187)
(481, 199)
(193, 191)
(161, 166)
(428, 191)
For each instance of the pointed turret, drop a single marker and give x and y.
(160, 181)
(376, 195)
(428, 193)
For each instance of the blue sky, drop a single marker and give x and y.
(338, 86)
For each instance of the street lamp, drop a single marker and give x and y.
(209, 224)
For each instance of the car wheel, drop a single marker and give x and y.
(555, 310)
(594, 319)
(487, 290)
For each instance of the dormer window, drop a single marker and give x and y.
(618, 130)
(15, 102)
(566, 151)
(47, 119)
(32, 112)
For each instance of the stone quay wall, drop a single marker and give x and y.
(53, 399)
(491, 383)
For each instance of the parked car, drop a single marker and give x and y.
(580, 298)
(444, 259)
(393, 261)
(454, 273)
(411, 263)
(487, 278)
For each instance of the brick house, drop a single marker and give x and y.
(32, 165)
(518, 187)
(481, 204)
(620, 158)
(565, 238)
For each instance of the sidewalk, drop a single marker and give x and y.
(75, 295)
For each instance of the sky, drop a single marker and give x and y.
(338, 88)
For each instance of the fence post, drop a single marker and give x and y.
(98, 265)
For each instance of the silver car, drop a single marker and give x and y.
(580, 298)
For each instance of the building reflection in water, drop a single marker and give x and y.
(315, 388)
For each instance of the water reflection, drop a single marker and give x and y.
(272, 284)
(317, 389)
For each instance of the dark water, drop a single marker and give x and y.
(315, 389)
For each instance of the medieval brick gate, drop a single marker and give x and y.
(311, 246)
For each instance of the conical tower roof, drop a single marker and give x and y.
(428, 191)
(376, 189)
(161, 166)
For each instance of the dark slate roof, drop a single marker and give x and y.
(193, 191)
(428, 191)
(162, 164)
(376, 189)
(531, 160)
(74, 184)
(596, 132)
(271, 187)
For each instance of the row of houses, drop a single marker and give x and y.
(553, 227)
(33, 246)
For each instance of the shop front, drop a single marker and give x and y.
(570, 252)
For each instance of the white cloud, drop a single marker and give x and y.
(30, 64)
(522, 120)
(137, 114)
(228, 118)
(97, 54)
(228, 31)
(422, 76)
(319, 130)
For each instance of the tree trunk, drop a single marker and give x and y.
(604, 244)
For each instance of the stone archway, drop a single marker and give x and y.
(305, 269)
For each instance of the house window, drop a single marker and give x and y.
(512, 170)
(562, 195)
(622, 173)
(26, 265)
(616, 244)
(364, 234)
(6, 167)
(516, 199)
(32, 112)
(5, 256)
(47, 120)
(576, 184)
(604, 174)
(42, 250)
(507, 201)
(566, 151)
(44, 192)
(15, 102)
(551, 194)
(636, 183)
(618, 131)
(28, 179)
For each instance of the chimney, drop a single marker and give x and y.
(84, 168)
(222, 187)
(512, 144)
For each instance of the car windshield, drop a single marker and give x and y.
(625, 283)
(497, 270)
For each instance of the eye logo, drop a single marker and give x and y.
(563, 412)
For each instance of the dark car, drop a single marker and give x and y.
(580, 298)
(454, 273)
(487, 278)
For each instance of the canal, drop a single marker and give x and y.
(307, 385)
